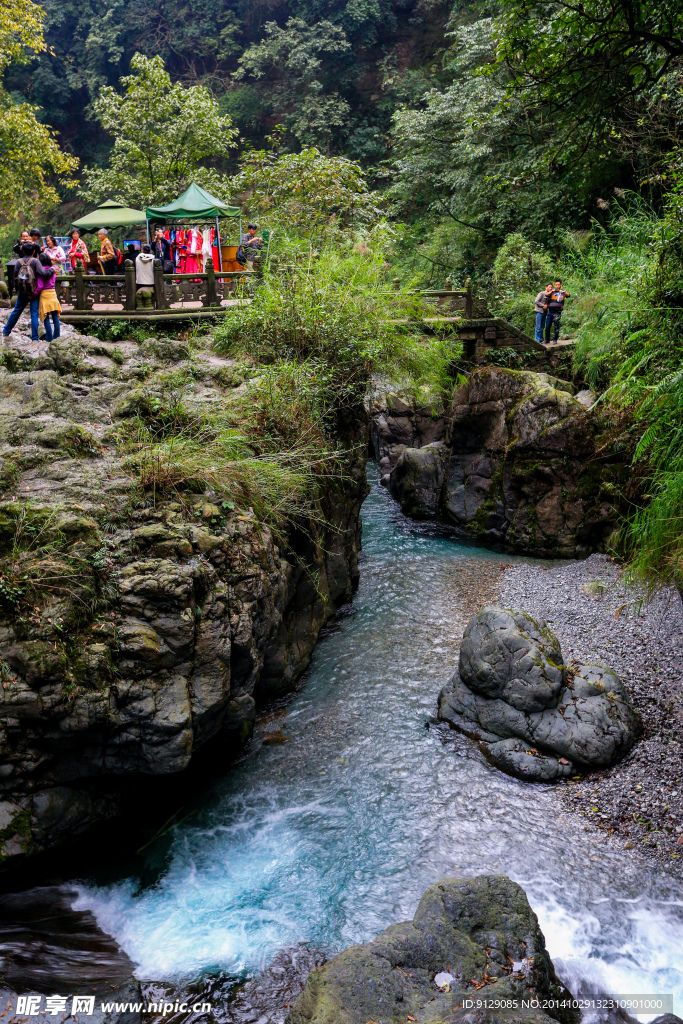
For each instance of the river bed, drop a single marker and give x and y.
(351, 800)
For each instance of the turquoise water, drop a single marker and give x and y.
(332, 835)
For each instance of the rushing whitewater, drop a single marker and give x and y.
(333, 831)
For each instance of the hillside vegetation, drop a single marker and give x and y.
(398, 140)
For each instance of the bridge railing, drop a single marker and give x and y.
(84, 291)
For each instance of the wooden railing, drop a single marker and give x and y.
(83, 291)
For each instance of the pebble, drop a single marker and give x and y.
(598, 615)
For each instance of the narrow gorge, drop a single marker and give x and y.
(268, 696)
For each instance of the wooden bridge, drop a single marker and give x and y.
(172, 297)
(461, 312)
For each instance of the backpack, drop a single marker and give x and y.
(26, 277)
(239, 255)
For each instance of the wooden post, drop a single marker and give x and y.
(468, 298)
(79, 286)
(448, 285)
(210, 298)
(129, 268)
(159, 291)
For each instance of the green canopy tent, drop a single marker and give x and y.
(110, 214)
(195, 204)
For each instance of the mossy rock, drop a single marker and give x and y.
(480, 933)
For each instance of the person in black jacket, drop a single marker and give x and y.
(161, 247)
(34, 237)
(25, 298)
(555, 308)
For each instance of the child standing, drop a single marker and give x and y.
(49, 303)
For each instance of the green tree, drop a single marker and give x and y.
(305, 190)
(591, 64)
(521, 266)
(485, 155)
(303, 59)
(31, 161)
(164, 134)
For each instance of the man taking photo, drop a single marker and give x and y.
(161, 247)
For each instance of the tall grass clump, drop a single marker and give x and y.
(610, 283)
(178, 453)
(337, 311)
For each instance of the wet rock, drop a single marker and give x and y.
(516, 469)
(399, 421)
(418, 478)
(480, 931)
(49, 947)
(535, 717)
(154, 625)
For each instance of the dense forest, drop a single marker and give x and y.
(334, 73)
(515, 116)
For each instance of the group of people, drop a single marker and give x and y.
(35, 273)
(548, 309)
(39, 262)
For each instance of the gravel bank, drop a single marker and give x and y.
(597, 616)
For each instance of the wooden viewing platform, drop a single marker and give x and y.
(171, 298)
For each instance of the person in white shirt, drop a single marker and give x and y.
(144, 268)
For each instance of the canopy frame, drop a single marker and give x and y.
(195, 204)
(110, 214)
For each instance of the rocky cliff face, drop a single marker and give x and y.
(158, 624)
(517, 462)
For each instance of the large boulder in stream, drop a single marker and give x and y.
(534, 716)
(470, 938)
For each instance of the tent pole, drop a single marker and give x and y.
(239, 240)
(147, 223)
(218, 240)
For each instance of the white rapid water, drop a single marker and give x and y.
(329, 837)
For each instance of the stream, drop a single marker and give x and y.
(351, 800)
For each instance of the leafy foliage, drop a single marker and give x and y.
(163, 134)
(31, 161)
(21, 29)
(590, 65)
(521, 266)
(305, 93)
(304, 190)
(478, 152)
(388, 51)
